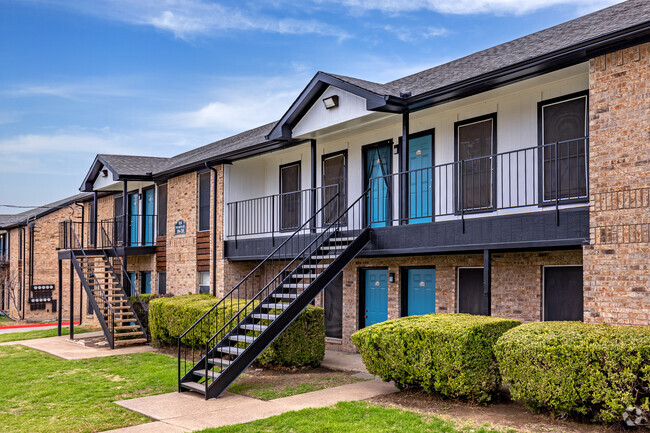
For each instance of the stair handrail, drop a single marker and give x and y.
(249, 303)
(91, 270)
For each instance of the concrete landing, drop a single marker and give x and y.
(343, 361)
(65, 348)
(176, 412)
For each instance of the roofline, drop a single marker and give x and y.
(87, 184)
(45, 212)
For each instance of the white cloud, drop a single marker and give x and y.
(412, 34)
(189, 18)
(463, 7)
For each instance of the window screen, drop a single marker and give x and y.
(564, 131)
(162, 283)
(334, 180)
(162, 210)
(204, 282)
(204, 201)
(474, 146)
(290, 199)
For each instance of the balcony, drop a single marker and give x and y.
(524, 198)
(109, 234)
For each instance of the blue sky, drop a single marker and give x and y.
(158, 77)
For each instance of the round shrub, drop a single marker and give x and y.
(577, 369)
(447, 354)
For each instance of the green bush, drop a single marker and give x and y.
(448, 354)
(573, 368)
(301, 344)
(143, 314)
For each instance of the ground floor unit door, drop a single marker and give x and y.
(420, 291)
(375, 290)
(470, 290)
(563, 297)
(333, 305)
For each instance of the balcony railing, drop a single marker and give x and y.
(140, 232)
(549, 175)
(284, 212)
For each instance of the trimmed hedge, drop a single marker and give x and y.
(447, 354)
(143, 316)
(302, 343)
(573, 368)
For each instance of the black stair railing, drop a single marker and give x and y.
(214, 319)
(335, 237)
(109, 243)
(102, 307)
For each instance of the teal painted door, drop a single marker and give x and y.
(130, 285)
(376, 291)
(146, 283)
(378, 179)
(421, 286)
(420, 179)
(134, 202)
(148, 222)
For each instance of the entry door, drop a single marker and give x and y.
(118, 226)
(290, 200)
(333, 305)
(145, 285)
(377, 178)
(470, 290)
(421, 291)
(334, 173)
(148, 217)
(131, 284)
(420, 162)
(376, 293)
(134, 204)
(563, 298)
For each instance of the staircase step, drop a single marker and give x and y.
(342, 239)
(244, 338)
(230, 350)
(194, 386)
(219, 361)
(253, 327)
(128, 334)
(284, 295)
(275, 306)
(121, 328)
(296, 285)
(210, 374)
(304, 276)
(334, 247)
(318, 266)
(324, 256)
(130, 341)
(264, 316)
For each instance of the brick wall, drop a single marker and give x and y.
(617, 261)
(516, 284)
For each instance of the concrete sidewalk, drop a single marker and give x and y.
(186, 412)
(65, 348)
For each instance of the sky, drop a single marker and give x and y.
(159, 77)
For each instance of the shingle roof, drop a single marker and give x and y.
(125, 165)
(8, 221)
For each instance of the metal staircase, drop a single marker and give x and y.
(110, 303)
(233, 333)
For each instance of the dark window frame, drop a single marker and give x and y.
(361, 277)
(300, 216)
(342, 204)
(164, 286)
(459, 206)
(143, 216)
(364, 186)
(162, 222)
(543, 309)
(482, 268)
(403, 286)
(199, 227)
(540, 143)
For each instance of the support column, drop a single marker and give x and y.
(403, 166)
(71, 300)
(94, 216)
(125, 220)
(313, 181)
(60, 299)
(487, 283)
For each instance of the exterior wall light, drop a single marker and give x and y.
(331, 102)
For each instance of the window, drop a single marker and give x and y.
(4, 247)
(118, 213)
(91, 220)
(162, 210)
(334, 173)
(204, 282)
(475, 143)
(145, 285)
(563, 296)
(564, 148)
(470, 291)
(290, 199)
(204, 201)
(162, 283)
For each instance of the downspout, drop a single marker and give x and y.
(22, 280)
(31, 263)
(214, 232)
(81, 287)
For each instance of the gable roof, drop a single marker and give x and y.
(21, 219)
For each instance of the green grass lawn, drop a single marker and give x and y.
(42, 333)
(5, 321)
(43, 393)
(352, 417)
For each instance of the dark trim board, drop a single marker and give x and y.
(534, 230)
(130, 251)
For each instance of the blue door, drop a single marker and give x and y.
(376, 291)
(148, 222)
(134, 202)
(130, 285)
(420, 179)
(421, 296)
(378, 179)
(146, 283)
